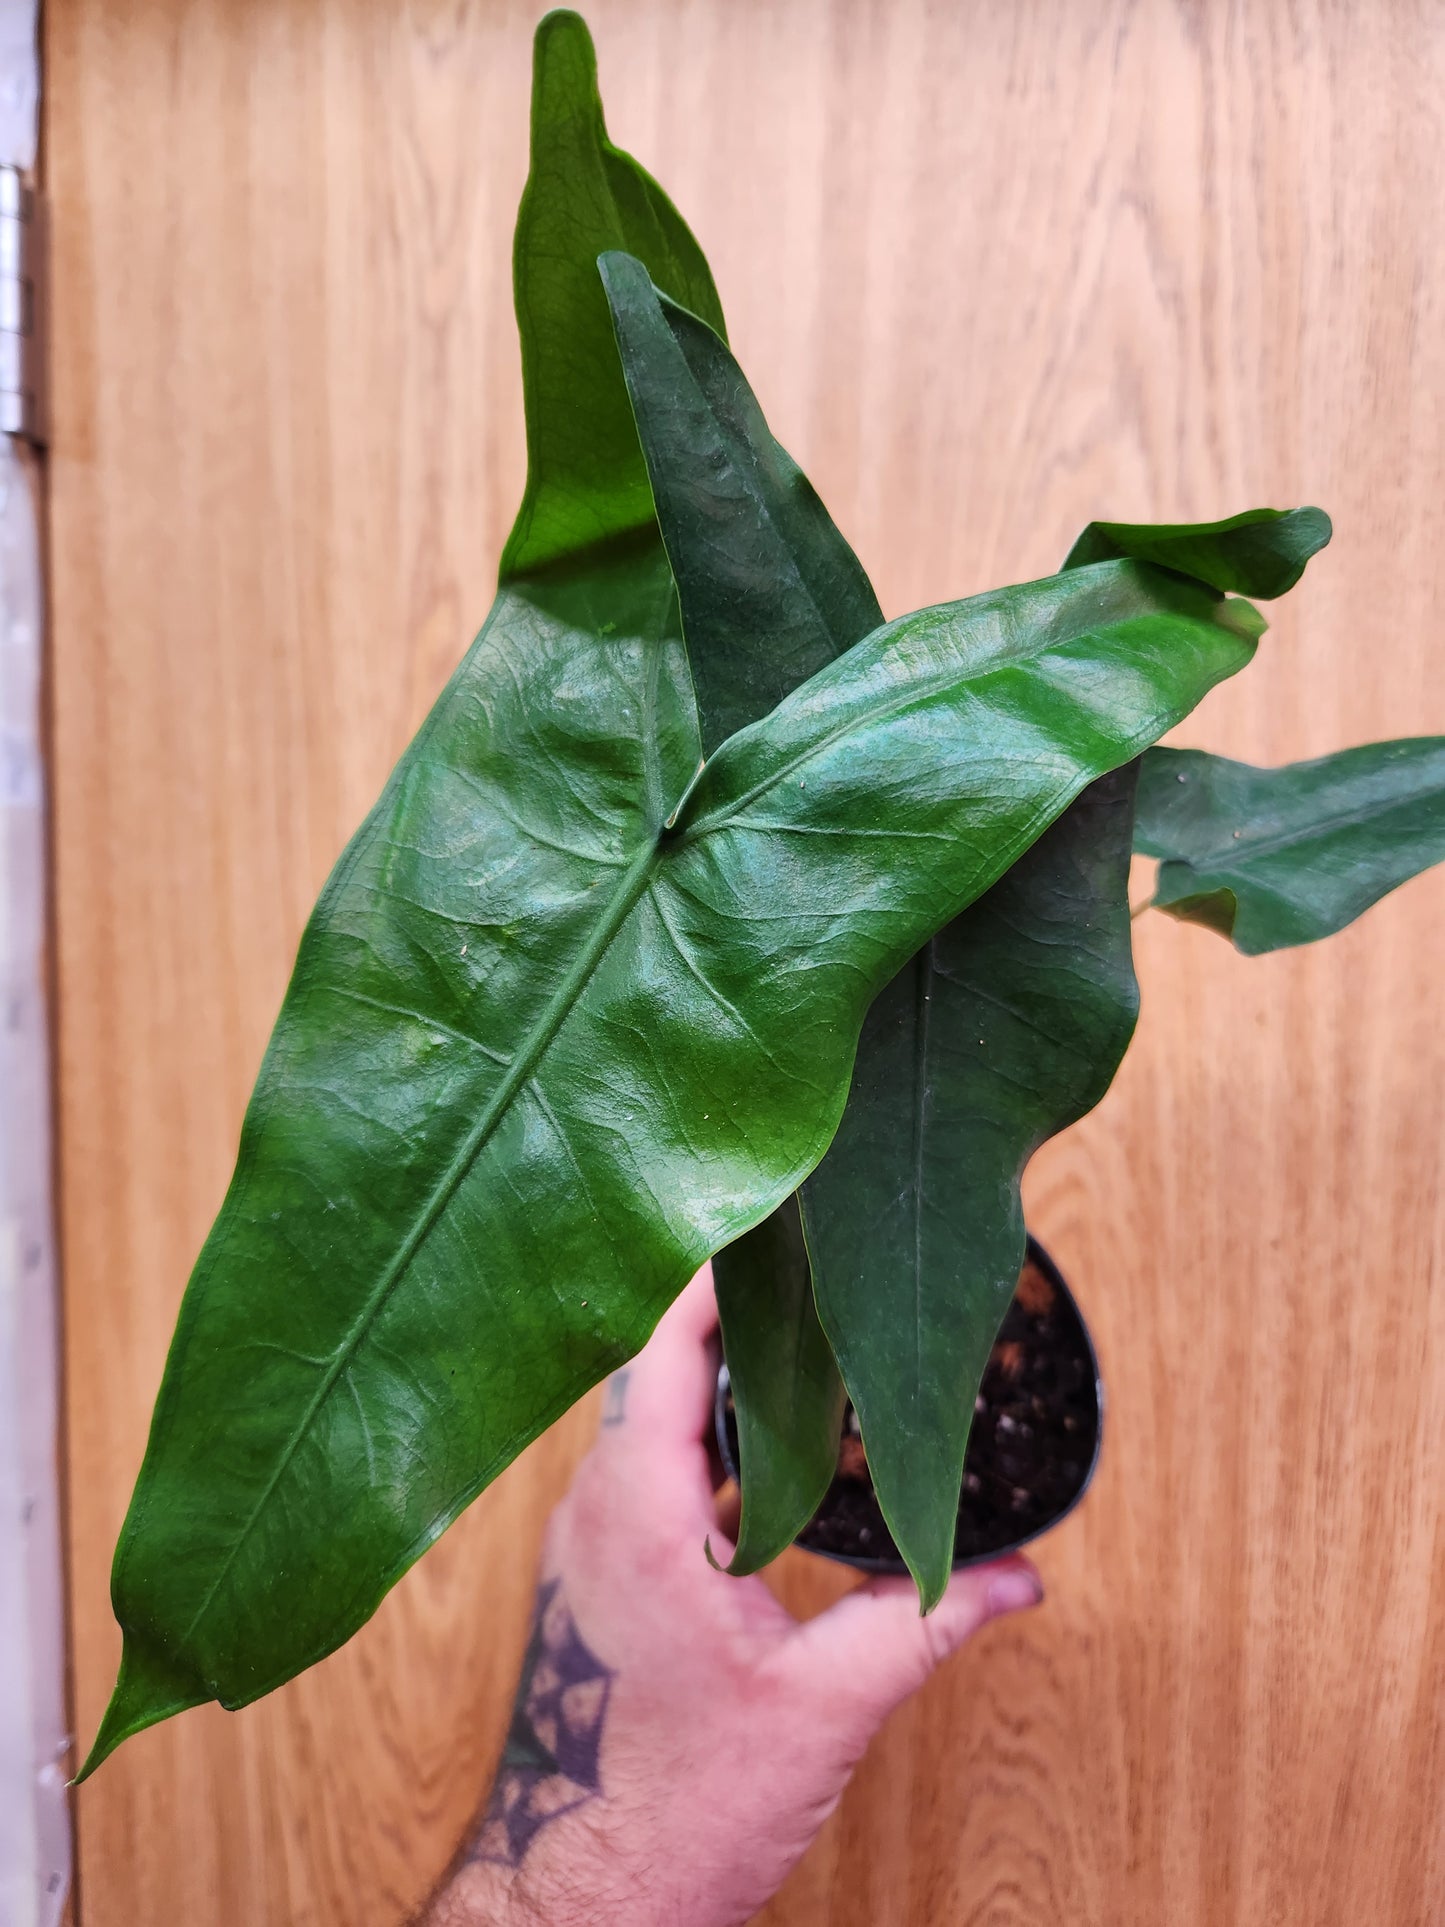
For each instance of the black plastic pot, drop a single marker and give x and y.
(1059, 1332)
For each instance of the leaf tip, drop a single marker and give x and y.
(622, 273)
(924, 1534)
(932, 1585)
(1313, 528)
(146, 1691)
(564, 75)
(563, 30)
(1244, 619)
(1216, 910)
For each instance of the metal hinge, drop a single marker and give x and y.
(22, 308)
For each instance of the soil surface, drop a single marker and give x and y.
(1035, 1427)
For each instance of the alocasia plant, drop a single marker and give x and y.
(580, 1003)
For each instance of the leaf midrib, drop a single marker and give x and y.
(968, 678)
(629, 889)
(922, 1026)
(541, 1034)
(758, 496)
(728, 811)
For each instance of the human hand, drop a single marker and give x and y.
(679, 1737)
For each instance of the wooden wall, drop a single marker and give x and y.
(995, 269)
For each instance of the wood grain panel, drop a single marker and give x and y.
(995, 270)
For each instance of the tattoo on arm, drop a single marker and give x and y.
(550, 1761)
(614, 1409)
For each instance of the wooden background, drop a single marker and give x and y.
(995, 269)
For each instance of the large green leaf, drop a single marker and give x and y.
(770, 592)
(1008, 1026)
(393, 972)
(1005, 1029)
(1273, 857)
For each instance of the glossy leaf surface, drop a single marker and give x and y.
(1274, 857)
(541, 1056)
(259, 1412)
(769, 588)
(586, 479)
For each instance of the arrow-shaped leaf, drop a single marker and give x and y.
(1274, 857)
(751, 568)
(770, 592)
(1007, 1027)
(453, 883)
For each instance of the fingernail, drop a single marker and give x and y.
(1012, 1591)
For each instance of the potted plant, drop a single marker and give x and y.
(693, 840)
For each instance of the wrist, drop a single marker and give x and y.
(564, 1883)
(474, 1895)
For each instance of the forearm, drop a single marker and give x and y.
(478, 1895)
(552, 1843)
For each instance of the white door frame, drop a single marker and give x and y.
(35, 1856)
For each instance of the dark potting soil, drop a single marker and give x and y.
(1035, 1428)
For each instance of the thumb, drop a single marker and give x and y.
(875, 1648)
